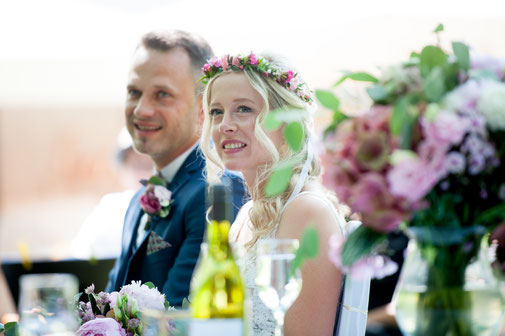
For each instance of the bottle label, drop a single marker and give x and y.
(216, 327)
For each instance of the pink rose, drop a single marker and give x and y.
(293, 84)
(252, 59)
(225, 63)
(149, 203)
(101, 327)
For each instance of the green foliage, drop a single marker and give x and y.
(11, 329)
(271, 122)
(434, 85)
(357, 76)
(93, 304)
(309, 248)
(157, 181)
(462, 54)
(2, 327)
(328, 99)
(360, 243)
(399, 116)
(377, 93)
(279, 180)
(430, 58)
(439, 28)
(293, 133)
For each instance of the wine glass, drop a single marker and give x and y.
(277, 287)
(47, 304)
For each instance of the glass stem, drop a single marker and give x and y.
(279, 325)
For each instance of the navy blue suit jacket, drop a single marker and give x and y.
(170, 269)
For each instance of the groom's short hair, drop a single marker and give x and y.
(198, 50)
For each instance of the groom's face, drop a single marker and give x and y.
(162, 109)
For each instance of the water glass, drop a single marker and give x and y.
(47, 304)
(277, 287)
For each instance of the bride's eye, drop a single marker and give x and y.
(215, 111)
(243, 108)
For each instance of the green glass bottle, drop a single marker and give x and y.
(217, 290)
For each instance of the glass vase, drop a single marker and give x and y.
(446, 286)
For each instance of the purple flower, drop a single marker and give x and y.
(489, 63)
(133, 323)
(149, 203)
(90, 289)
(455, 162)
(101, 327)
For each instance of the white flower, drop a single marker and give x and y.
(455, 162)
(146, 298)
(492, 104)
(463, 98)
(163, 194)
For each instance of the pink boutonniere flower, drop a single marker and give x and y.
(156, 199)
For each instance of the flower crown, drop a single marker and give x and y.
(287, 79)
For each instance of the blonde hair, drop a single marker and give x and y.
(266, 211)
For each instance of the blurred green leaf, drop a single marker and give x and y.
(493, 215)
(360, 243)
(185, 303)
(431, 57)
(279, 180)
(462, 54)
(328, 99)
(271, 122)
(293, 133)
(434, 85)
(357, 76)
(150, 285)
(11, 329)
(156, 180)
(309, 248)
(399, 115)
(440, 28)
(377, 92)
(2, 327)
(93, 304)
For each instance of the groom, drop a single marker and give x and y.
(164, 116)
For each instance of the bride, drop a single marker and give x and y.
(241, 91)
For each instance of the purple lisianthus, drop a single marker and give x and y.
(101, 326)
(149, 203)
(481, 61)
(455, 162)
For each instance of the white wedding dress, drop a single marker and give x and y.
(353, 309)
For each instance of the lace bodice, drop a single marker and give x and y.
(262, 322)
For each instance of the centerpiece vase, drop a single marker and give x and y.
(447, 286)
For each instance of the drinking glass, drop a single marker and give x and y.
(47, 304)
(277, 288)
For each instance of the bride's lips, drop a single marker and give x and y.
(232, 146)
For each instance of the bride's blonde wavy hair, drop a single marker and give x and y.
(266, 211)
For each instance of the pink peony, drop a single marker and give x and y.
(446, 128)
(374, 266)
(101, 327)
(215, 62)
(149, 203)
(411, 179)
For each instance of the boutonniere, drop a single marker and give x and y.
(156, 199)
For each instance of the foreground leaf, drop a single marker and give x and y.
(309, 248)
(293, 133)
(11, 329)
(328, 100)
(149, 284)
(357, 76)
(279, 180)
(462, 54)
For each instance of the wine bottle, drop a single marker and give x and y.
(217, 290)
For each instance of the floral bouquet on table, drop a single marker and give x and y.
(118, 313)
(428, 156)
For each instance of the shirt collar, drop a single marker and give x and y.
(168, 172)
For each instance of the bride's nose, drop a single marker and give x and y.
(227, 124)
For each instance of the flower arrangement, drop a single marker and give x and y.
(288, 79)
(156, 199)
(118, 313)
(428, 153)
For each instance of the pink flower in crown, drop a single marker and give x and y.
(252, 59)
(290, 75)
(225, 63)
(215, 62)
(235, 60)
(293, 84)
(206, 67)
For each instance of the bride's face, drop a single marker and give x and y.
(234, 106)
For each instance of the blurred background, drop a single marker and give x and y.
(63, 69)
